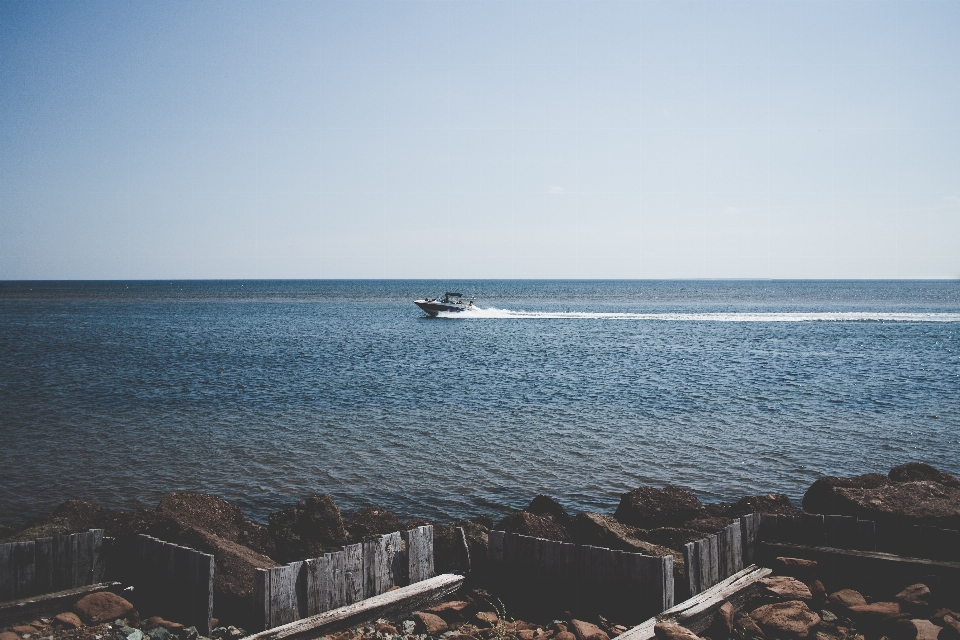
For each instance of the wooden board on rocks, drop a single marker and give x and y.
(50, 564)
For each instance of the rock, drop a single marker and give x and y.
(922, 471)
(453, 610)
(190, 633)
(828, 616)
(708, 525)
(787, 588)
(159, 633)
(749, 626)
(525, 634)
(485, 619)
(888, 501)
(773, 503)
(792, 619)
(818, 591)
(536, 526)
(388, 629)
(606, 531)
(432, 625)
(587, 631)
(543, 505)
(24, 629)
(448, 547)
(673, 631)
(73, 516)
(408, 627)
(669, 537)
(129, 633)
(650, 508)
(915, 599)
(371, 522)
(916, 629)
(875, 613)
(101, 606)
(235, 633)
(846, 598)
(9, 635)
(307, 530)
(214, 515)
(951, 626)
(723, 623)
(68, 619)
(618, 629)
(157, 621)
(798, 568)
(564, 635)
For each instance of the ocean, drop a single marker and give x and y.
(266, 392)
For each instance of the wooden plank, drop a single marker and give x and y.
(494, 549)
(714, 560)
(735, 548)
(278, 596)
(703, 563)
(185, 586)
(25, 560)
(353, 573)
(326, 583)
(391, 605)
(47, 604)
(669, 589)
(207, 569)
(689, 553)
(97, 565)
(76, 575)
(651, 584)
(382, 564)
(338, 583)
(768, 527)
(261, 599)
(419, 553)
(43, 553)
(7, 573)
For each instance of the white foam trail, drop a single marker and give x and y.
(823, 316)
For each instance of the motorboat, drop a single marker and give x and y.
(451, 302)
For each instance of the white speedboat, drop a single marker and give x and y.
(451, 302)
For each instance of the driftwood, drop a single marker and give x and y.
(396, 603)
(697, 613)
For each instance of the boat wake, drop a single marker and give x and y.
(821, 316)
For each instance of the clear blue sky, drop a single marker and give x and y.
(488, 139)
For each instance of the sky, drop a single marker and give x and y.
(480, 139)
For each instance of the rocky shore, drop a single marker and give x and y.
(653, 521)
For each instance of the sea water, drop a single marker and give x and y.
(266, 392)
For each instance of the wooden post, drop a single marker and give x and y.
(353, 572)
(261, 600)
(419, 553)
(382, 564)
(692, 562)
(7, 572)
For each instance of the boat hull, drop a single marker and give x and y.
(434, 308)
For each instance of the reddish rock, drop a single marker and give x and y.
(156, 621)
(9, 635)
(818, 591)
(485, 619)
(916, 629)
(798, 568)
(526, 634)
(722, 625)
(792, 619)
(102, 606)
(389, 629)
(787, 588)
(749, 625)
(564, 635)
(587, 631)
(68, 619)
(650, 508)
(846, 598)
(875, 613)
(433, 625)
(915, 599)
(24, 629)
(453, 610)
(461, 636)
(618, 629)
(951, 626)
(533, 525)
(217, 516)
(673, 631)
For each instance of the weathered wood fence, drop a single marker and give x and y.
(715, 558)
(46, 565)
(849, 532)
(580, 577)
(308, 587)
(178, 581)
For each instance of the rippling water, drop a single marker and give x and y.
(265, 392)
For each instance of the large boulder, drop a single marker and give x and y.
(307, 530)
(650, 508)
(371, 522)
(933, 500)
(533, 525)
(73, 516)
(101, 606)
(543, 505)
(214, 515)
(606, 531)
